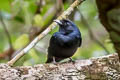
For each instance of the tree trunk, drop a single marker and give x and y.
(109, 14)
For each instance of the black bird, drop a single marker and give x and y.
(64, 43)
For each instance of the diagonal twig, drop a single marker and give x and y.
(64, 15)
(55, 10)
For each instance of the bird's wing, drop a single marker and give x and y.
(61, 39)
(80, 40)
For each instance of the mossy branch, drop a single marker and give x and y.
(101, 68)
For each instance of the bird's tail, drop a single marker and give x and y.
(49, 60)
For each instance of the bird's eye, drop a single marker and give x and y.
(67, 23)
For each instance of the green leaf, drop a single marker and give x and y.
(33, 54)
(38, 20)
(27, 14)
(66, 5)
(32, 6)
(21, 42)
(54, 30)
(88, 9)
(23, 59)
(45, 8)
(27, 63)
(48, 19)
(4, 5)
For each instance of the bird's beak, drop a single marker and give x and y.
(58, 22)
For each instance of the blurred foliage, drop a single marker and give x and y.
(38, 20)
(20, 15)
(21, 41)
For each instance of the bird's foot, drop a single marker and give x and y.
(54, 62)
(71, 60)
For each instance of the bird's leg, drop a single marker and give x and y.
(54, 62)
(71, 60)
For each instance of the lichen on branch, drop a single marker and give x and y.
(101, 68)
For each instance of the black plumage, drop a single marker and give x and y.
(64, 43)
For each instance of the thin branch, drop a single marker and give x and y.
(64, 15)
(10, 4)
(92, 34)
(7, 54)
(39, 5)
(54, 10)
(6, 31)
(35, 32)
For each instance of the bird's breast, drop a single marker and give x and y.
(62, 52)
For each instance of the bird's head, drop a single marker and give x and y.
(64, 22)
(66, 26)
